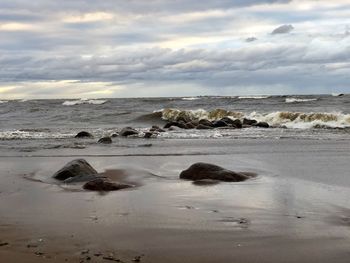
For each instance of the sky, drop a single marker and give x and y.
(156, 48)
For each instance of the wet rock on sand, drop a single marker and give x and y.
(206, 182)
(201, 171)
(104, 184)
(78, 167)
(83, 134)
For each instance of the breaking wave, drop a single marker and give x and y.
(83, 101)
(337, 94)
(254, 97)
(295, 100)
(301, 120)
(189, 115)
(294, 120)
(33, 134)
(3, 101)
(190, 98)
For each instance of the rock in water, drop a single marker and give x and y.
(127, 131)
(249, 122)
(220, 123)
(203, 127)
(78, 167)
(105, 140)
(102, 184)
(205, 122)
(180, 124)
(262, 125)
(201, 171)
(83, 134)
(148, 134)
(234, 123)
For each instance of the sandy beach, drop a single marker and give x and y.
(295, 210)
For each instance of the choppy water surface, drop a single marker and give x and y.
(29, 125)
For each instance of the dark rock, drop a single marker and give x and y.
(249, 122)
(234, 123)
(203, 127)
(190, 125)
(105, 140)
(83, 134)
(101, 184)
(114, 135)
(127, 131)
(220, 123)
(205, 182)
(82, 178)
(4, 244)
(181, 125)
(78, 167)
(183, 119)
(262, 125)
(148, 134)
(237, 123)
(157, 129)
(200, 171)
(205, 122)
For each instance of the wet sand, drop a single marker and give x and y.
(296, 210)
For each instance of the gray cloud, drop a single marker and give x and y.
(137, 6)
(282, 29)
(160, 47)
(251, 39)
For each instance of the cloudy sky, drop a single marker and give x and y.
(133, 48)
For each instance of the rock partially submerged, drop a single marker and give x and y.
(128, 131)
(105, 140)
(262, 124)
(203, 171)
(104, 184)
(81, 171)
(83, 134)
(225, 123)
(249, 121)
(82, 178)
(78, 167)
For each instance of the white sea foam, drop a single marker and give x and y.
(254, 97)
(337, 94)
(176, 114)
(83, 101)
(295, 100)
(19, 134)
(3, 101)
(299, 120)
(190, 98)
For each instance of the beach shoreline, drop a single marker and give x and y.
(296, 210)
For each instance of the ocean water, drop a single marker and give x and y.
(32, 125)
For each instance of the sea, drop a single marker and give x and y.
(28, 126)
